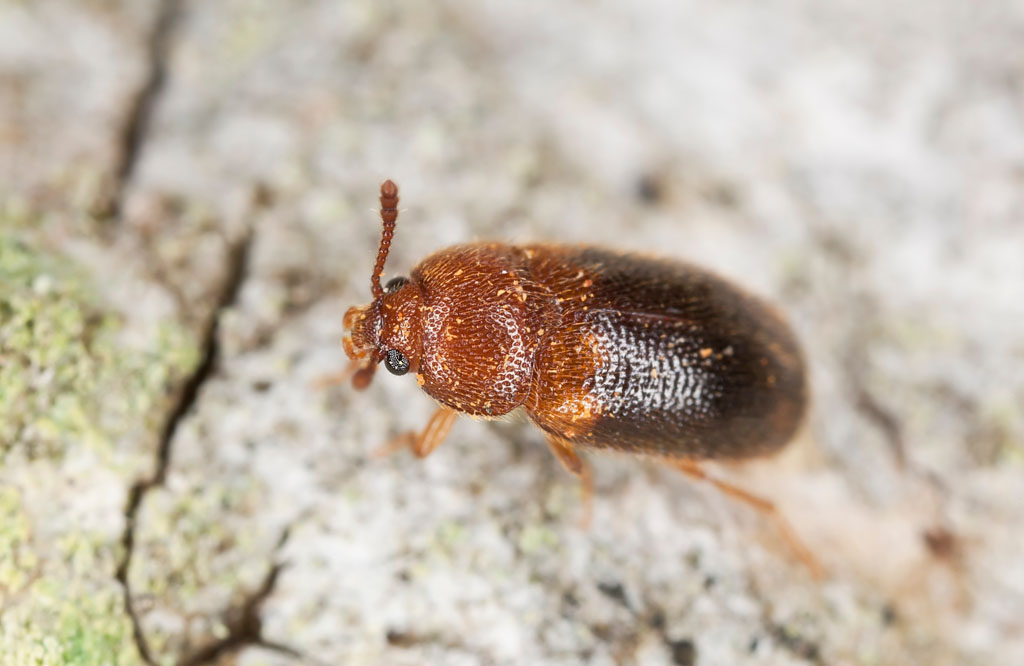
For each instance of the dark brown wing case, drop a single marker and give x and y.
(656, 356)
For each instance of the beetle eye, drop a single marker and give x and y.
(395, 283)
(396, 363)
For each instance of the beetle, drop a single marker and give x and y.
(601, 349)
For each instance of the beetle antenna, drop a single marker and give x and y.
(388, 214)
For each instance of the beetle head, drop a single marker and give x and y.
(388, 329)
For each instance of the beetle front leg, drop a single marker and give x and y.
(422, 444)
(358, 370)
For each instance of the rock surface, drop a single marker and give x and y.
(188, 194)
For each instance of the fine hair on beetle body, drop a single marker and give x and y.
(600, 349)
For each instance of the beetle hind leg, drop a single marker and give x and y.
(803, 553)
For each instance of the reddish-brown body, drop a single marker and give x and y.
(601, 349)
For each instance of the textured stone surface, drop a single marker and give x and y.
(859, 163)
(88, 346)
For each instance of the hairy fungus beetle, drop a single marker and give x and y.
(601, 349)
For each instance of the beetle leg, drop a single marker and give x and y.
(359, 372)
(438, 427)
(694, 470)
(424, 443)
(566, 455)
(362, 376)
(335, 378)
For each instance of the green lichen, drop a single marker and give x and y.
(65, 379)
(70, 382)
(17, 562)
(190, 549)
(537, 539)
(50, 613)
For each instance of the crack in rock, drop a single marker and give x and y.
(243, 621)
(140, 110)
(186, 398)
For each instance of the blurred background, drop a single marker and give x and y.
(188, 205)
